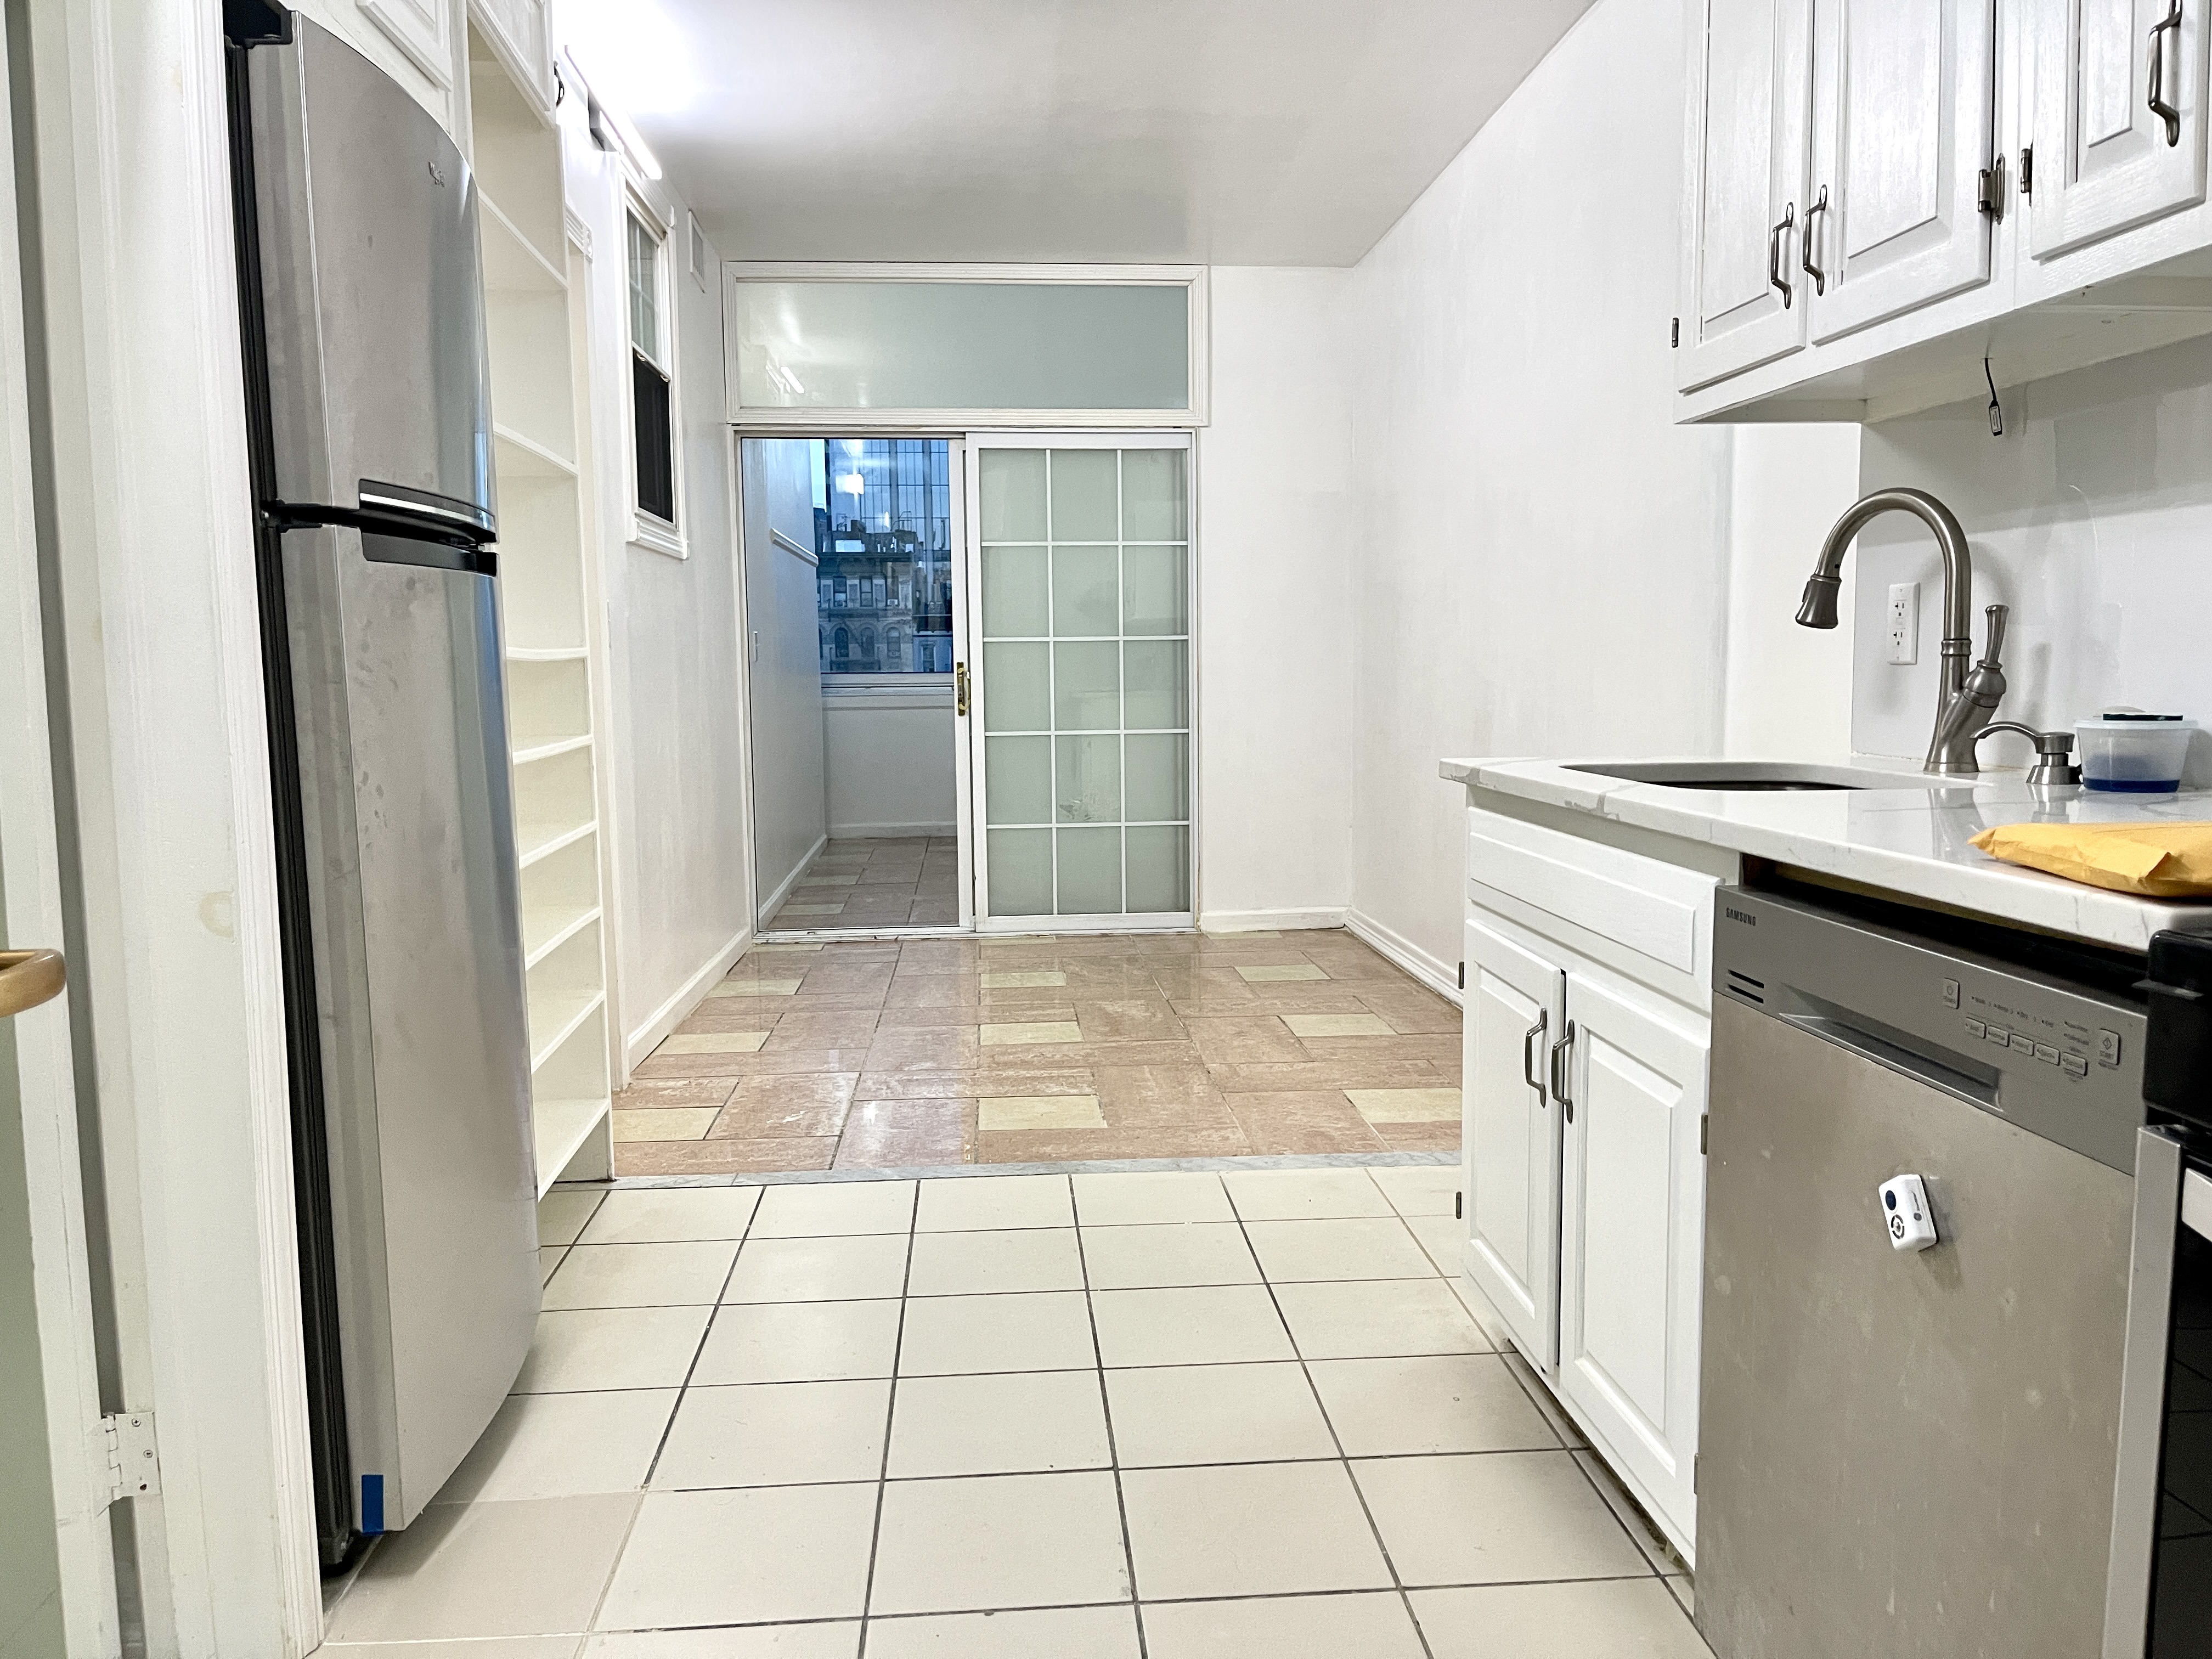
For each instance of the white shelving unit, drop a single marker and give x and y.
(545, 588)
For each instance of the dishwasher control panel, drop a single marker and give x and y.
(2061, 1059)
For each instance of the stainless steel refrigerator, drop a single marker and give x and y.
(371, 421)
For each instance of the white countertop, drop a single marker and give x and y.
(1910, 840)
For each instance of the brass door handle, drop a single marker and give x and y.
(960, 688)
(29, 978)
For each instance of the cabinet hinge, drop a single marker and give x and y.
(2027, 171)
(127, 1452)
(1705, 1133)
(1674, 334)
(1990, 189)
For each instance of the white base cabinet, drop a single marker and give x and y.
(1587, 1032)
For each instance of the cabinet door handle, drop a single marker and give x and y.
(1810, 244)
(1782, 228)
(1563, 1050)
(960, 688)
(2165, 111)
(1533, 1036)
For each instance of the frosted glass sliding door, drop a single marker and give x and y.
(1081, 577)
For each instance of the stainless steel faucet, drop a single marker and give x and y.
(1964, 701)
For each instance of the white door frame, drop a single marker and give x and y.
(1133, 439)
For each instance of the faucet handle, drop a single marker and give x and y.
(1993, 654)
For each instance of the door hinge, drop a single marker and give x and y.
(2027, 171)
(1674, 334)
(1705, 1133)
(1990, 189)
(128, 1453)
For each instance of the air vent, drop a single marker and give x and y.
(1746, 986)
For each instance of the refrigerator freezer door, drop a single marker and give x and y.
(371, 291)
(407, 799)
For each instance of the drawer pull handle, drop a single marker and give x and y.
(1563, 1049)
(2165, 112)
(1782, 228)
(1528, 1042)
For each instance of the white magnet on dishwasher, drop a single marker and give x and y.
(1905, 1213)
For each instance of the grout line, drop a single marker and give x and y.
(890, 1422)
(1112, 1447)
(683, 1388)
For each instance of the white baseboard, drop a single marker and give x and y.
(889, 831)
(1441, 977)
(783, 888)
(688, 995)
(1266, 922)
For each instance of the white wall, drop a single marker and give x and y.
(2090, 517)
(790, 812)
(1275, 579)
(888, 754)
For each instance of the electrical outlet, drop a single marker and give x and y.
(1904, 623)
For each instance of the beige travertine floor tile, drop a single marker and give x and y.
(1039, 1112)
(1248, 1529)
(808, 1104)
(562, 1213)
(712, 1042)
(665, 1123)
(1421, 1189)
(1008, 1424)
(966, 1264)
(1023, 978)
(814, 1210)
(469, 1570)
(800, 1342)
(751, 987)
(1225, 1324)
(1216, 1414)
(1168, 1252)
(1337, 1025)
(1009, 1540)
(1047, 1633)
(838, 1639)
(563, 1445)
(1368, 1249)
(1277, 973)
(1406, 1105)
(1361, 1319)
(640, 1275)
(992, 1202)
(1496, 1517)
(612, 1348)
(742, 1557)
(768, 1434)
(666, 1215)
(860, 1268)
(1372, 1625)
(1136, 1199)
(1033, 1031)
(951, 1334)
(1429, 1403)
(1617, 1619)
(1304, 1194)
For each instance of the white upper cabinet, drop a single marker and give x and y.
(2119, 125)
(423, 29)
(1903, 92)
(520, 32)
(1744, 187)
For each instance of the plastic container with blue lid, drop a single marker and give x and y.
(2130, 752)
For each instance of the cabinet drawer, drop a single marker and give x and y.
(1657, 909)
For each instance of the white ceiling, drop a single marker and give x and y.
(1224, 131)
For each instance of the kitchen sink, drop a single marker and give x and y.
(1764, 776)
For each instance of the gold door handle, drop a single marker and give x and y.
(29, 978)
(959, 688)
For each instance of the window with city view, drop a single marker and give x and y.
(882, 532)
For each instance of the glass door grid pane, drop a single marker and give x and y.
(1086, 626)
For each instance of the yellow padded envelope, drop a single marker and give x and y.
(2161, 860)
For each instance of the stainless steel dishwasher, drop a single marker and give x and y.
(1912, 1452)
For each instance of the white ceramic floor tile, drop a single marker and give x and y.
(1434, 1403)
(1216, 1414)
(951, 1334)
(1249, 1529)
(1444, 1238)
(563, 1445)
(640, 1275)
(800, 1342)
(1420, 1189)
(992, 1201)
(1109, 1200)
(562, 1213)
(1009, 1540)
(840, 1639)
(1370, 1625)
(1168, 1252)
(842, 1269)
(1050, 1633)
(768, 1434)
(496, 1647)
(1497, 1517)
(1617, 1619)
(1304, 1194)
(1014, 1422)
(1365, 1318)
(1372, 1248)
(748, 1557)
(1225, 1324)
(612, 1348)
(966, 1264)
(549, 1258)
(1487, 1319)
(469, 1570)
(810, 1210)
(657, 1215)
(1658, 1550)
